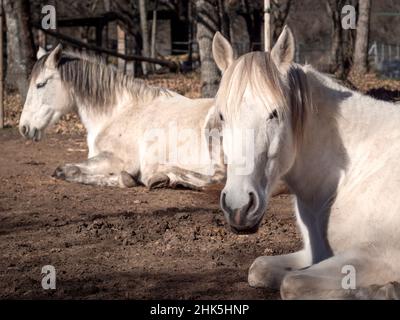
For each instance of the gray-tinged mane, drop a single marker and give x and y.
(96, 84)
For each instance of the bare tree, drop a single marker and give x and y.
(267, 25)
(1, 67)
(342, 47)
(223, 7)
(207, 24)
(20, 47)
(107, 8)
(145, 33)
(154, 30)
(238, 31)
(252, 12)
(280, 10)
(360, 61)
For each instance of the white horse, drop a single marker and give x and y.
(135, 133)
(337, 150)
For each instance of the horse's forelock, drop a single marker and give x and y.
(289, 96)
(257, 70)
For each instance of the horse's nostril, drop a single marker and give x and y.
(252, 199)
(34, 133)
(24, 130)
(250, 204)
(223, 202)
(223, 196)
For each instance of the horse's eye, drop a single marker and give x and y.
(41, 85)
(221, 117)
(273, 114)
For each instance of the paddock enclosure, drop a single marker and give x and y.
(113, 243)
(140, 243)
(120, 243)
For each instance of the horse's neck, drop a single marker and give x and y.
(95, 120)
(341, 127)
(94, 124)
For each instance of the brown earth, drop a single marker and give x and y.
(112, 243)
(126, 243)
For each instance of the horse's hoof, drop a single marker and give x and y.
(157, 181)
(263, 274)
(127, 180)
(59, 173)
(65, 172)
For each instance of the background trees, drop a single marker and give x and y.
(360, 63)
(208, 23)
(317, 26)
(349, 49)
(20, 47)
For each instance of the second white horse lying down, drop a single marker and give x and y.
(337, 150)
(136, 133)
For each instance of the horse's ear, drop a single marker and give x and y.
(40, 53)
(222, 52)
(54, 57)
(284, 50)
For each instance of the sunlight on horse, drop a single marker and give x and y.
(338, 152)
(136, 133)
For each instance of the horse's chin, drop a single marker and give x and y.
(247, 229)
(36, 136)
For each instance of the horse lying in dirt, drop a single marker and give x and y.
(136, 133)
(337, 150)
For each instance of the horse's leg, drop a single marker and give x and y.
(268, 271)
(123, 179)
(104, 169)
(174, 177)
(354, 274)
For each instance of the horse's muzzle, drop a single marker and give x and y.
(29, 133)
(244, 220)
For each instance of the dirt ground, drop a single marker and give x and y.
(111, 243)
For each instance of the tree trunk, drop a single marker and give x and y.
(145, 33)
(20, 47)
(1, 66)
(267, 25)
(223, 18)
(106, 33)
(154, 31)
(342, 40)
(360, 59)
(254, 19)
(207, 26)
(238, 30)
(336, 59)
(121, 47)
(280, 12)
